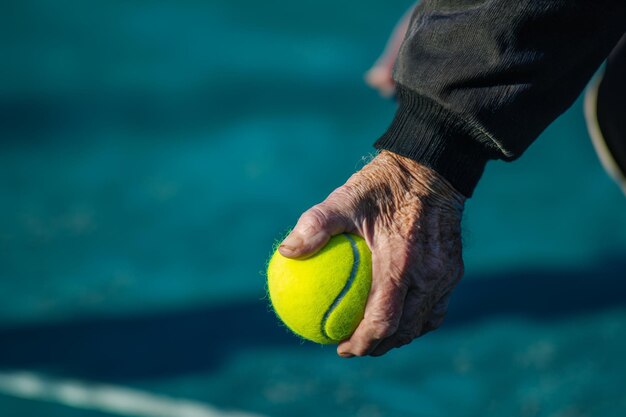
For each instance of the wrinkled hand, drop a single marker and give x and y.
(410, 218)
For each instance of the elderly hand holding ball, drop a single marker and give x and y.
(474, 82)
(410, 217)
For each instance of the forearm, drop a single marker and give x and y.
(480, 80)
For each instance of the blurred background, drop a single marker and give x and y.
(152, 152)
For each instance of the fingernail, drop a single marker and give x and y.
(346, 355)
(291, 243)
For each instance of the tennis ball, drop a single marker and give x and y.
(322, 298)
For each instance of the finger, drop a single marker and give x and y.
(410, 324)
(382, 312)
(313, 230)
(437, 315)
(380, 78)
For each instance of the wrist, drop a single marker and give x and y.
(429, 133)
(423, 181)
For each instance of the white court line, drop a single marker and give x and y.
(106, 398)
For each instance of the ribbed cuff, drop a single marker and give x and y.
(428, 133)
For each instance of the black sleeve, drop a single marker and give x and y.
(481, 79)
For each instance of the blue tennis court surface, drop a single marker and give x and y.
(150, 155)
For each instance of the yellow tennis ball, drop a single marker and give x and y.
(322, 298)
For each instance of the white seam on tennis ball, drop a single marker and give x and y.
(346, 288)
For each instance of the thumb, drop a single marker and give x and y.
(313, 230)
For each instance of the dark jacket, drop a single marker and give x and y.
(481, 79)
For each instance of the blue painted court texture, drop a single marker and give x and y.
(147, 168)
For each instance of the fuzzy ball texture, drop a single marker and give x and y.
(322, 298)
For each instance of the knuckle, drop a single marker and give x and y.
(404, 338)
(435, 324)
(456, 271)
(440, 309)
(380, 329)
(314, 218)
(432, 325)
